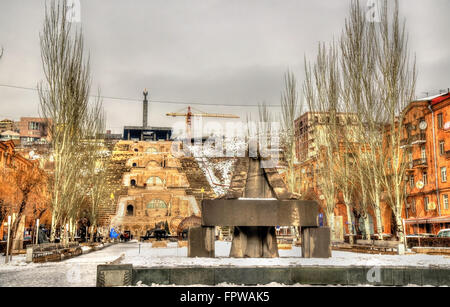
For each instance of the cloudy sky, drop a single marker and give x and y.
(218, 52)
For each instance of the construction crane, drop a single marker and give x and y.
(189, 116)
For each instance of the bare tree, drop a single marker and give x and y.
(396, 84)
(322, 90)
(290, 108)
(64, 101)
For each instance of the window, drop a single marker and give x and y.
(423, 153)
(425, 178)
(133, 182)
(445, 198)
(33, 126)
(444, 174)
(425, 202)
(410, 156)
(154, 181)
(441, 148)
(156, 204)
(134, 164)
(440, 120)
(411, 181)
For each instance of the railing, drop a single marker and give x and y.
(420, 162)
(419, 138)
(416, 138)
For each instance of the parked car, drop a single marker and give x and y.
(444, 233)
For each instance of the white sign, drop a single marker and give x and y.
(447, 126)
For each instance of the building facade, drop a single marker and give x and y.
(7, 124)
(33, 129)
(155, 190)
(426, 145)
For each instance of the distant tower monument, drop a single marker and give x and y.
(145, 109)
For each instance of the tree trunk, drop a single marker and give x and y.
(15, 225)
(254, 242)
(53, 227)
(366, 227)
(379, 221)
(92, 228)
(350, 223)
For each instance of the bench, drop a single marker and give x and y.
(377, 246)
(46, 252)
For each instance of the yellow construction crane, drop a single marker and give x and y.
(189, 115)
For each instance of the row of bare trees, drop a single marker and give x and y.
(78, 183)
(360, 84)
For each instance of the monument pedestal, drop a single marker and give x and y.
(316, 242)
(254, 242)
(201, 242)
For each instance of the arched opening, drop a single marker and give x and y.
(154, 180)
(133, 182)
(136, 150)
(130, 210)
(134, 164)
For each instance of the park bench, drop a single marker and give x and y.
(376, 246)
(46, 252)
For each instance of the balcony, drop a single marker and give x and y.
(420, 163)
(418, 138)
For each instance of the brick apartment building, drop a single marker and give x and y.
(427, 147)
(308, 128)
(33, 129)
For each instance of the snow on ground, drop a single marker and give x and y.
(174, 256)
(81, 270)
(78, 271)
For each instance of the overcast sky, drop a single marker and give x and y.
(224, 52)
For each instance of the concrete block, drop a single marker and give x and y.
(201, 242)
(444, 278)
(306, 275)
(413, 276)
(150, 276)
(316, 242)
(431, 276)
(400, 277)
(114, 275)
(239, 276)
(357, 275)
(192, 276)
(333, 275)
(278, 275)
(257, 212)
(29, 255)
